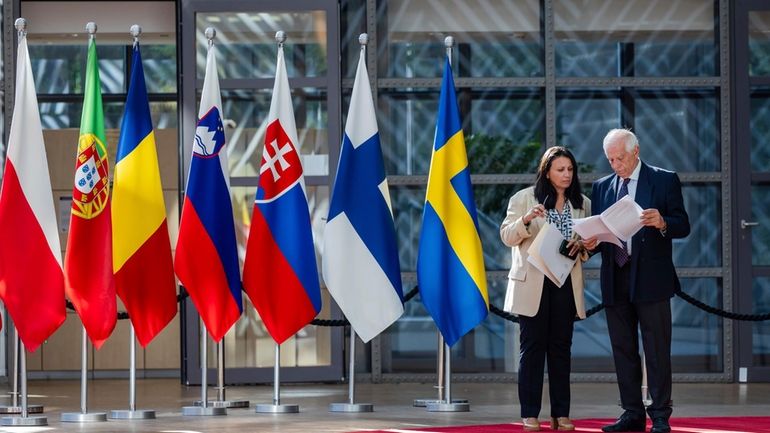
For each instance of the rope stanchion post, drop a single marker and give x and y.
(205, 409)
(222, 400)
(15, 408)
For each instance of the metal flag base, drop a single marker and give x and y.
(13, 410)
(23, 421)
(276, 408)
(203, 411)
(424, 402)
(351, 407)
(228, 404)
(83, 417)
(132, 414)
(448, 407)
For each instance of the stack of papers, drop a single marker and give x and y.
(544, 255)
(619, 222)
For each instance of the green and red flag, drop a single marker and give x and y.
(88, 260)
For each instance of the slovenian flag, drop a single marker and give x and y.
(90, 283)
(141, 247)
(206, 260)
(360, 258)
(450, 262)
(31, 279)
(279, 271)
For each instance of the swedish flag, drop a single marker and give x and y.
(450, 262)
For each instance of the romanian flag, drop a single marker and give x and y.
(206, 260)
(31, 280)
(141, 255)
(88, 261)
(450, 262)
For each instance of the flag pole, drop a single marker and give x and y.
(351, 406)
(14, 408)
(222, 400)
(83, 415)
(277, 407)
(204, 409)
(448, 405)
(24, 419)
(130, 414)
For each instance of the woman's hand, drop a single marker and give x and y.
(537, 210)
(575, 246)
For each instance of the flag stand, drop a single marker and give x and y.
(14, 408)
(204, 409)
(131, 412)
(24, 419)
(83, 415)
(221, 400)
(447, 404)
(276, 407)
(423, 402)
(350, 406)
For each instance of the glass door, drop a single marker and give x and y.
(246, 49)
(752, 161)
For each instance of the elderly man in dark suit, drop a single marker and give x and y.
(639, 280)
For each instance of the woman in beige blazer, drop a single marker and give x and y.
(546, 311)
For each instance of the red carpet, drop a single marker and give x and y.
(748, 424)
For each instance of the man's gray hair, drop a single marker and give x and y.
(623, 135)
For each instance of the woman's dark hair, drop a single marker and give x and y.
(543, 187)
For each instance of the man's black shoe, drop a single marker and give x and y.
(660, 425)
(629, 422)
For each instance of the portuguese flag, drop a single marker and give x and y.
(88, 258)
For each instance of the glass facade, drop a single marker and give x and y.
(529, 74)
(502, 72)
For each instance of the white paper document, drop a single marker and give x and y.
(544, 255)
(619, 222)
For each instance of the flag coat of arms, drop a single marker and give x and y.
(90, 284)
(144, 272)
(360, 257)
(279, 272)
(450, 261)
(206, 259)
(32, 289)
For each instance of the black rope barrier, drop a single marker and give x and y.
(722, 313)
(123, 315)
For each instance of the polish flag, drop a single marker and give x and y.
(31, 279)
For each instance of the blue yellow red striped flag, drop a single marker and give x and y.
(141, 247)
(450, 261)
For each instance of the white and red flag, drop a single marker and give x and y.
(31, 278)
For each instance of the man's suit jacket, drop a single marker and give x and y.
(653, 277)
(525, 281)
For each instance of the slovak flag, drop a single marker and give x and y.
(206, 260)
(279, 271)
(360, 260)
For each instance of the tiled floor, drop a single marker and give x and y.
(490, 403)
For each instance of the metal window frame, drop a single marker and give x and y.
(550, 84)
(190, 84)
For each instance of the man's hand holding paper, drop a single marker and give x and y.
(617, 223)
